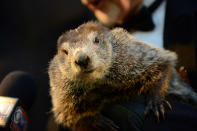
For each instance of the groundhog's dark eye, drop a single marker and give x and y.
(65, 51)
(96, 40)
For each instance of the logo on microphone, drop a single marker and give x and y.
(19, 120)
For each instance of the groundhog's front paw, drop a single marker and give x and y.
(157, 107)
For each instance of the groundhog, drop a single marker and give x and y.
(95, 65)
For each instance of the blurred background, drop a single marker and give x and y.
(28, 33)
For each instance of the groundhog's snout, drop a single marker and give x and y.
(82, 60)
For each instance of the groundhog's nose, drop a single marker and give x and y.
(82, 60)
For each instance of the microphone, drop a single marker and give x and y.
(17, 95)
(12, 115)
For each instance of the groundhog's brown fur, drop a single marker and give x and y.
(95, 65)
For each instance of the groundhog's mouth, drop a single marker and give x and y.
(85, 74)
(88, 71)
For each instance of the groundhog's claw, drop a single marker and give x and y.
(162, 111)
(168, 104)
(157, 108)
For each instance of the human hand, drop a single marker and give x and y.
(111, 12)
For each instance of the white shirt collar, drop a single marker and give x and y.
(148, 2)
(154, 37)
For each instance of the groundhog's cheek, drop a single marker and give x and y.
(100, 70)
(74, 69)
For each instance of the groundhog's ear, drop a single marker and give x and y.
(118, 33)
(60, 40)
(118, 30)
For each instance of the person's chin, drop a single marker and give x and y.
(109, 14)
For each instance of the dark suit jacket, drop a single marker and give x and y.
(180, 34)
